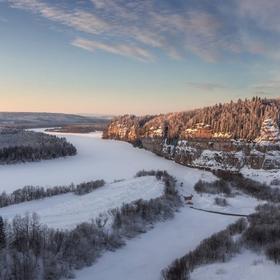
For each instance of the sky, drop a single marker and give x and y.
(136, 56)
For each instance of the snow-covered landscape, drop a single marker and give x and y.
(139, 140)
(117, 163)
(265, 176)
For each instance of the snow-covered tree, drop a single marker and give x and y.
(269, 131)
(2, 234)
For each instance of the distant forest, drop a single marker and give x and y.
(242, 120)
(18, 145)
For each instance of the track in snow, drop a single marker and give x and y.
(218, 212)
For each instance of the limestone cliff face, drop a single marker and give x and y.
(200, 150)
(226, 155)
(125, 128)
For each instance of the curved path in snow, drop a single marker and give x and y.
(218, 212)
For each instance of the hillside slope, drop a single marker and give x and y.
(32, 120)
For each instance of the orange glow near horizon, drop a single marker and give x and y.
(95, 101)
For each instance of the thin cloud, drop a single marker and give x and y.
(120, 49)
(78, 19)
(265, 14)
(268, 88)
(208, 31)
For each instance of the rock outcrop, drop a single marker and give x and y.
(177, 137)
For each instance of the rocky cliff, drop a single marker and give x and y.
(200, 144)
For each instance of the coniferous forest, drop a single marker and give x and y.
(18, 145)
(241, 120)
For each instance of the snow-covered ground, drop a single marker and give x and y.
(144, 257)
(96, 159)
(68, 210)
(239, 204)
(263, 176)
(246, 266)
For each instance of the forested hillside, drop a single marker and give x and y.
(235, 120)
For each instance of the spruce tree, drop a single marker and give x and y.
(2, 234)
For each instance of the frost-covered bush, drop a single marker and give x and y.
(216, 187)
(220, 201)
(273, 251)
(263, 232)
(264, 227)
(132, 219)
(256, 189)
(157, 173)
(88, 187)
(275, 182)
(238, 227)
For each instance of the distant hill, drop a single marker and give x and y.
(33, 120)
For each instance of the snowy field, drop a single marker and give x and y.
(68, 210)
(239, 204)
(96, 159)
(246, 266)
(263, 176)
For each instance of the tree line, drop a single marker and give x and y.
(29, 193)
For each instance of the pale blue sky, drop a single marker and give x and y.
(116, 56)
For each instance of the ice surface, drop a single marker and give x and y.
(96, 159)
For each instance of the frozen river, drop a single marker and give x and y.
(96, 159)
